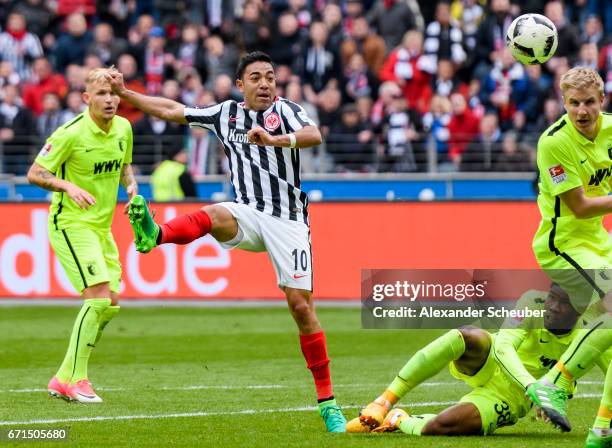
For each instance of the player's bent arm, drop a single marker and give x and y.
(43, 178)
(505, 346)
(306, 137)
(584, 207)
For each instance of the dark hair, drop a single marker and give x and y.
(249, 58)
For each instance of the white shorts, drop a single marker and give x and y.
(287, 243)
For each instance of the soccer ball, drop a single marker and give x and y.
(532, 39)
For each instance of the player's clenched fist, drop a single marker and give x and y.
(82, 198)
(115, 79)
(259, 136)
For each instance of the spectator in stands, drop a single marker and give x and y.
(469, 13)
(74, 106)
(387, 92)
(75, 77)
(332, 18)
(157, 61)
(42, 82)
(350, 143)
(254, 28)
(444, 38)
(504, 90)
(190, 53)
(106, 45)
(300, 10)
(39, 16)
(513, 157)
(588, 56)
(364, 42)
(392, 18)
(221, 58)
(407, 66)
(191, 86)
(462, 127)
(399, 134)
(154, 137)
(138, 36)
(330, 102)
(310, 160)
(16, 129)
(320, 64)
(223, 89)
(445, 81)
(69, 7)
(71, 46)
(352, 10)
(482, 151)
(8, 76)
(592, 32)
(605, 67)
(18, 46)
(538, 86)
(91, 62)
(127, 66)
(552, 111)
(171, 180)
(568, 34)
(358, 80)
(51, 117)
(491, 37)
(435, 124)
(287, 40)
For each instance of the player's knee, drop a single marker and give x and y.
(299, 303)
(476, 339)
(223, 223)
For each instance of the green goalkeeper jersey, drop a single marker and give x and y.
(82, 153)
(526, 351)
(566, 160)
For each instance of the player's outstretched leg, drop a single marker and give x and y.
(423, 365)
(144, 228)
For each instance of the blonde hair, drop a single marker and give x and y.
(581, 78)
(97, 75)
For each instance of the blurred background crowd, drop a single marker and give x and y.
(395, 85)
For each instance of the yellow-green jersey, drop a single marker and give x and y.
(83, 154)
(528, 350)
(566, 160)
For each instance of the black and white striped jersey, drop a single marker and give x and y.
(266, 178)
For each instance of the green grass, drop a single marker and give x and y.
(153, 354)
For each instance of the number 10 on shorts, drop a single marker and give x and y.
(303, 259)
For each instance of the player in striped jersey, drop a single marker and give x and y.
(261, 137)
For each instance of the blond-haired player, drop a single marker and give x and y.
(83, 163)
(571, 244)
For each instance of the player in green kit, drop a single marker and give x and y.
(571, 244)
(497, 367)
(83, 163)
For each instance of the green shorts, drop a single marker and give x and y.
(499, 400)
(585, 274)
(89, 257)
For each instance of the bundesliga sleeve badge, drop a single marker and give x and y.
(557, 173)
(45, 150)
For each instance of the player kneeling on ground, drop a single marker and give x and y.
(498, 367)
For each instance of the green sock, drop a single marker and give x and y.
(414, 424)
(427, 362)
(82, 340)
(582, 353)
(105, 317)
(604, 415)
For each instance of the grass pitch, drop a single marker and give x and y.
(230, 377)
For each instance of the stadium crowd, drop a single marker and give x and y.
(395, 85)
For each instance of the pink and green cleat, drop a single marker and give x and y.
(58, 389)
(144, 228)
(82, 392)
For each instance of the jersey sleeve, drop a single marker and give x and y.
(295, 116)
(56, 150)
(204, 117)
(557, 168)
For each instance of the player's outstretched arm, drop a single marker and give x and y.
(163, 108)
(584, 207)
(43, 178)
(306, 137)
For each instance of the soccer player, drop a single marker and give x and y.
(496, 366)
(261, 137)
(571, 243)
(83, 163)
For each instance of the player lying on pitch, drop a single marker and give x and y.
(498, 367)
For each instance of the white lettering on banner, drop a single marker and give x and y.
(192, 262)
(168, 282)
(36, 247)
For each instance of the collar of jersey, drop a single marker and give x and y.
(93, 127)
(581, 138)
